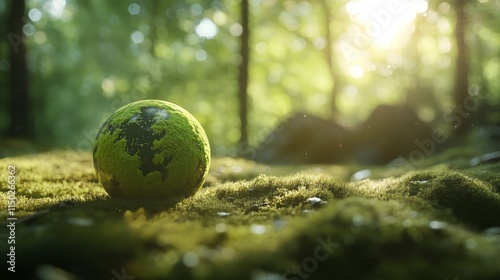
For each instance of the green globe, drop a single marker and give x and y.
(151, 149)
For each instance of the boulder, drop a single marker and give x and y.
(389, 132)
(304, 138)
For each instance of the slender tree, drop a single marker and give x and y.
(21, 125)
(461, 83)
(243, 77)
(330, 59)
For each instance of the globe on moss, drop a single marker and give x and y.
(151, 149)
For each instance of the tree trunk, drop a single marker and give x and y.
(21, 124)
(461, 84)
(332, 67)
(243, 78)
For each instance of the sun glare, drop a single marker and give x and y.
(206, 28)
(56, 7)
(356, 71)
(383, 20)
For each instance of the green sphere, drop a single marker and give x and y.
(151, 149)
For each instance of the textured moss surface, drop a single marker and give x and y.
(151, 148)
(253, 221)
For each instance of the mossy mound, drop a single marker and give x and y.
(253, 221)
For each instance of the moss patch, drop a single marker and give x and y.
(254, 221)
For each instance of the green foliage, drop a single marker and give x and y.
(85, 63)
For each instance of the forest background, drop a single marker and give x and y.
(242, 66)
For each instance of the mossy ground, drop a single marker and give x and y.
(253, 221)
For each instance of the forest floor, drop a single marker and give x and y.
(253, 221)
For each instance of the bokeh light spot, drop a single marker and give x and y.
(134, 9)
(236, 29)
(137, 37)
(28, 29)
(206, 28)
(35, 15)
(356, 71)
(200, 55)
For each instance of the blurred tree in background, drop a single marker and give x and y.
(243, 76)
(337, 59)
(21, 119)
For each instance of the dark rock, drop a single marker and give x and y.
(305, 139)
(391, 131)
